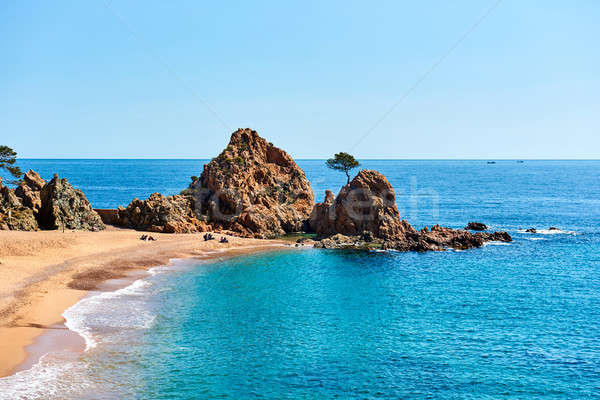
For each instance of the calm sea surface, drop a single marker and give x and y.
(518, 321)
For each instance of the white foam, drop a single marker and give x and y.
(55, 375)
(101, 311)
(496, 243)
(555, 232)
(549, 232)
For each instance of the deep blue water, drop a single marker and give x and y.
(518, 321)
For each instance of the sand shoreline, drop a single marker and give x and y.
(42, 274)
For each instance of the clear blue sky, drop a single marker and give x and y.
(78, 80)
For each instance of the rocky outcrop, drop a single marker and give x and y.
(365, 216)
(339, 241)
(495, 236)
(253, 188)
(367, 203)
(29, 190)
(440, 238)
(173, 214)
(476, 226)
(62, 206)
(13, 215)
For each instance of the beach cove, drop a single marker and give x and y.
(44, 273)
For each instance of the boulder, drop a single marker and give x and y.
(367, 203)
(29, 190)
(253, 188)
(158, 213)
(62, 206)
(13, 215)
(476, 226)
(531, 230)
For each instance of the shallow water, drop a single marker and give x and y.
(505, 321)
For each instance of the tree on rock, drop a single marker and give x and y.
(8, 157)
(343, 162)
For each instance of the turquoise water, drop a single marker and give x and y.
(515, 321)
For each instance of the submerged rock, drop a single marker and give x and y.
(62, 206)
(172, 214)
(253, 188)
(476, 226)
(13, 214)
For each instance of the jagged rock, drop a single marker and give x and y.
(339, 241)
(367, 207)
(253, 188)
(29, 190)
(62, 206)
(454, 238)
(476, 226)
(173, 214)
(531, 230)
(13, 215)
(440, 238)
(367, 203)
(322, 218)
(496, 237)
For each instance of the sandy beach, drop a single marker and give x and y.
(44, 273)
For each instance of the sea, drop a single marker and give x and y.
(517, 320)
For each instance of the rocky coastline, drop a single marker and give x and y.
(252, 189)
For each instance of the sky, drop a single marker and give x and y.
(173, 79)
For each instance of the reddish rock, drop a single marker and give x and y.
(253, 188)
(173, 214)
(367, 203)
(29, 190)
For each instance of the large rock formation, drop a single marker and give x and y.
(173, 214)
(253, 188)
(364, 216)
(62, 206)
(368, 203)
(13, 215)
(29, 190)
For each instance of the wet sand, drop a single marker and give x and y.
(44, 273)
